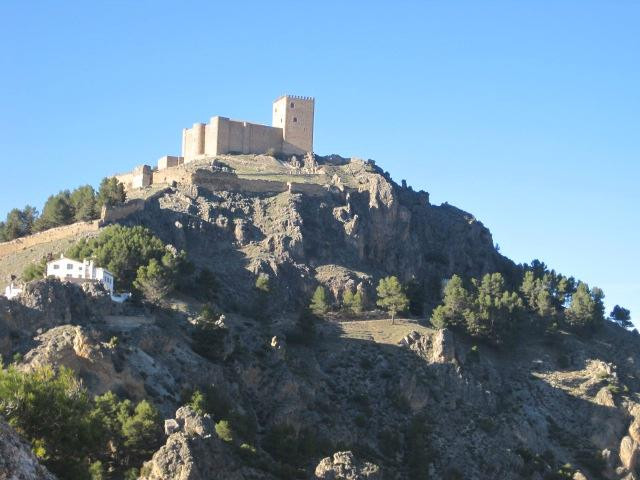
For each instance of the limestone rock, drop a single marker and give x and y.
(605, 398)
(343, 466)
(171, 425)
(193, 424)
(634, 430)
(17, 462)
(443, 347)
(628, 453)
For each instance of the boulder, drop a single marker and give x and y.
(605, 398)
(628, 453)
(193, 424)
(634, 430)
(443, 347)
(343, 466)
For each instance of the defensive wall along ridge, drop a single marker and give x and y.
(78, 230)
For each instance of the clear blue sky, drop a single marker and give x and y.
(524, 113)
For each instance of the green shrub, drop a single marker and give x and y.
(319, 305)
(224, 431)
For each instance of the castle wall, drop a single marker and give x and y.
(75, 230)
(113, 214)
(139, 177)
(169, 161)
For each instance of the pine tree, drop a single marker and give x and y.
(319, 305)
(621, 316)
(111, 193)
(391, 296)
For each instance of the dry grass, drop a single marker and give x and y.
(382, 331)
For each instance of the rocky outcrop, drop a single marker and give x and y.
(343, 466)
(17, 462)
(368, 228)
(194, 452)
(45, 304)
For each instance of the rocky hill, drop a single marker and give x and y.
(349, 398)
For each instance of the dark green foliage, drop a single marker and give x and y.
(34, 271)
(210, 399)
(457, 301)
(284, 445)
(61, 209)
(159, 277)
(486, 311)
(352, 302)
(417, 449)
(121, 250)
(208, 338)
(304, 330)
(83, 203)
(18, 223)
(586, 311)
(319, 305)
(391, 296)
(416, 293)
(261, 305)
(621, 316)
(111, 193)
(57, 211)
(206, 285)
(74, 436)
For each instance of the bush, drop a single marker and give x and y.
(208, 338)
(319, 305)
(74, 436)
(122, 251)
(352, 302)
(224, 431)
(34, 271)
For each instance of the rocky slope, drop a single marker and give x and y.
(16, 460)
(352, 400)
(359, 228)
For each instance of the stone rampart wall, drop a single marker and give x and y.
(113, 214)
(59, 233)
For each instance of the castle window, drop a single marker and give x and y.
(295, 119)
(291, 104)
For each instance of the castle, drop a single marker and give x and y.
(290, 134)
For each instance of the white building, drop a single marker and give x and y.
(73, 270)
(12, 291)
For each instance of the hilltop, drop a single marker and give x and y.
(526, 388)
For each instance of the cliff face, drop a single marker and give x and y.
(361, 225)
(361, 399)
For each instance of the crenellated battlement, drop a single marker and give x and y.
(295, 97)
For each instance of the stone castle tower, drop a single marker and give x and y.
(294, 115)
(291, 132)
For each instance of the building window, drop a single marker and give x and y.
(69, 266)
(291, 104)
(295, 119)
(56, 267)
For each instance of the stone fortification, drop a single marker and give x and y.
(67, 231)
(291, 132)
